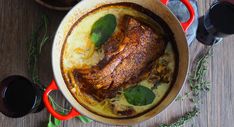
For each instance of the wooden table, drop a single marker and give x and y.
(19, 17)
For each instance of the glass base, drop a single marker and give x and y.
(204, 36)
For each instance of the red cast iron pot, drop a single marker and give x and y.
(157, 7)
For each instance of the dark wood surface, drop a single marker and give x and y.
(19, 17)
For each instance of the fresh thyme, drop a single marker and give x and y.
(198, 86)
(182, 120)
(197, 79)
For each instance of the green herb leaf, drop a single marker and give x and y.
(56, 122)
(139, 95)
(50, 124)
(85, 119)
(102, 29)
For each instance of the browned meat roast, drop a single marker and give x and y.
(127, 55)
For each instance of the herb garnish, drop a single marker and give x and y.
(139, 95)
(182, 120)
(197, 79)
(198, 85)
(34, 49)
(102, 29)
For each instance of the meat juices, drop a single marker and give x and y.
(127, 55)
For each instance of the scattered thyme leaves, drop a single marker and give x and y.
(197, 78)
(198, 86)
(182, 120)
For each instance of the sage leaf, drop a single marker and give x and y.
(56, 122)
(102, 29)
(139, 95)
(84, 119)
(50, 124)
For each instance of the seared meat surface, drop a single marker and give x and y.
(127, 55)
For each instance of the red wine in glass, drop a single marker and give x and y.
(19, 97)
(217, 23)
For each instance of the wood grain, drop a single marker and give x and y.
(19, 17)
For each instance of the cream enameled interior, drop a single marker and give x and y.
(86, 6)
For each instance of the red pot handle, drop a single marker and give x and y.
(73, 113)
(186, 24)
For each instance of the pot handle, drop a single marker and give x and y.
(73, 113)
(186, 24)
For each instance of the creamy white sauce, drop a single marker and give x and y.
(79, 38)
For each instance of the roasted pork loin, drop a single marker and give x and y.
(127, 55)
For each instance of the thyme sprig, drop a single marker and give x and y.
(182, 120)
(198, 86)
(197, 78)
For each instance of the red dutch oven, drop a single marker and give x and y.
(157, 7)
